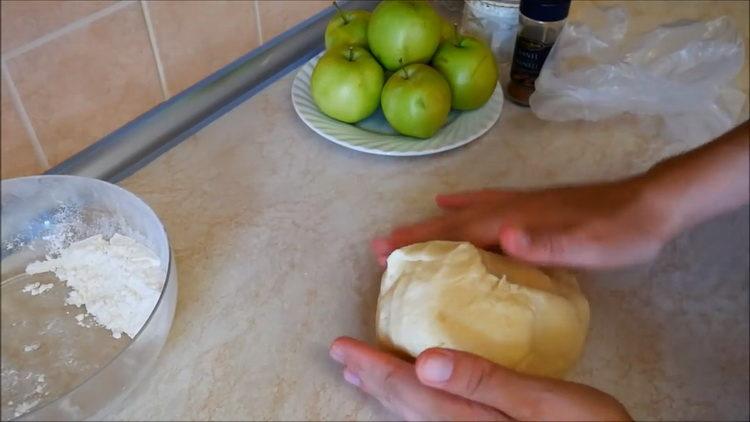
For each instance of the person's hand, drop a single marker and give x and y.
(603, 225)
(451, 385)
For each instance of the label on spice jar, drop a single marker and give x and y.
(528, 59)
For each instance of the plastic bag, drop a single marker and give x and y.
(682, 72)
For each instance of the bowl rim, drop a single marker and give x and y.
(170, 266)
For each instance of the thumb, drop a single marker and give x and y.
(519, 396)
(551, 248)
(476, 379)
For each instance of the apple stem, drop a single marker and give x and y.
(401, 62)
(341, 12)
(350, 53)
(455, 35)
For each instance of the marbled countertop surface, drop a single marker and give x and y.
(270, 226)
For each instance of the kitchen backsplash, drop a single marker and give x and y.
(74, 71)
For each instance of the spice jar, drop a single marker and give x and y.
(540, 22)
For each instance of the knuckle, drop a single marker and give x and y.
(551, 246)
(388, 387)
(389, 377)
(477, 379)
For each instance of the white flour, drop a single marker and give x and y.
(118, 281)
(37, 288)
(33, 398)
(31, 347)
(25, 407)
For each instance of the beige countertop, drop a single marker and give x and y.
(270, 226)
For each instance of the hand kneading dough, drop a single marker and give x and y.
(451, 294)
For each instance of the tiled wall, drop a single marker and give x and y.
(73, 71)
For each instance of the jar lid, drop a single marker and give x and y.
(545, 10)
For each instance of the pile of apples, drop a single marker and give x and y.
(405, 58)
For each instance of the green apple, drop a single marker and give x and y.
(470, 69)
(348, 27)
(346, 83)
(416, 100)
(403, 30)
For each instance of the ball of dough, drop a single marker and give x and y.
(453, 295)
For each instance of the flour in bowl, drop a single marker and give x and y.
(37, 288)
(118, 281)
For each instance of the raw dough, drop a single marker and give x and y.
(451, 294)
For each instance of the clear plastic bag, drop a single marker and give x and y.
(682, 72)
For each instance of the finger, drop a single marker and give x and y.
(478, 226)
(518, 396)
(381, 248)
(474, 378)
(393, 383)
(563, 248)
(466, 199)
(382, 261)
(432, 229)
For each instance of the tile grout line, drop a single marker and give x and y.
(80, 23)
(15, 98)
(155, 49)
(257, 22)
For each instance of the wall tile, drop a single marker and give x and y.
(276, 16)
(17, 156)
(195, 38)
(85, 84)
(24, 21)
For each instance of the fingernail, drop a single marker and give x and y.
(336, 354)
(438, 367)
(352, 378)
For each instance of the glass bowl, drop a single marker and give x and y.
(55, 366)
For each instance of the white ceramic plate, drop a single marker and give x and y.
(375, 136)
